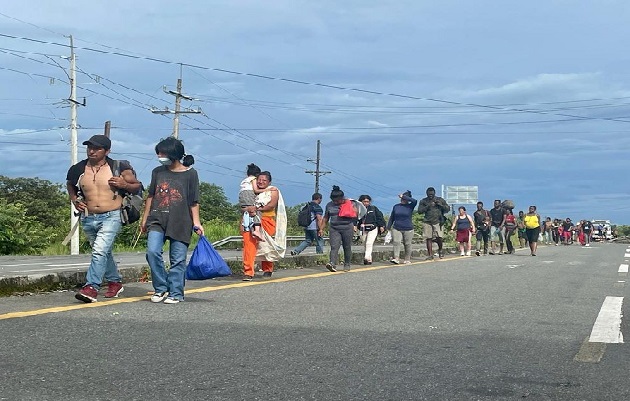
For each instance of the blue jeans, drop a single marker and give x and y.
(311, 236)
(101, 230)
(173, 280)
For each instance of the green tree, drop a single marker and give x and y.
(292, 226)
(46, 202)
(214, 205)
(622, 231)
(21, 234)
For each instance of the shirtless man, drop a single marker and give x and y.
(94, 192)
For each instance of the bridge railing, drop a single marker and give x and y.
(238, 238)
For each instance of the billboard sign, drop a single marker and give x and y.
(460, 194)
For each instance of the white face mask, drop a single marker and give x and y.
(165, 161)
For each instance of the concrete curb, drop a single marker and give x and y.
(66, 280)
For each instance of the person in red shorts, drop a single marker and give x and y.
(465, 225)
(567, 232)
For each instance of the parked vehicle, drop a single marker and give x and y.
(606, 230)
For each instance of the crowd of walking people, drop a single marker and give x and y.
(494, 230)
(98, 185)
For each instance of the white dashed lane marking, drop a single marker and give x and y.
(607, 327)
(623, 268)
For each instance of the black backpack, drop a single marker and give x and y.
(305, 216)
(131, 208)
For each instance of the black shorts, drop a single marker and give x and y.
(532, 234)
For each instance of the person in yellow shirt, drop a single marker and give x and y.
(532, 229)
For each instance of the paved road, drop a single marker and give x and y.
(508, 327)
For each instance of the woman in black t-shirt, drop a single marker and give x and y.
(171, 212)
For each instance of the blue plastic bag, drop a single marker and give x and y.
(206, 263)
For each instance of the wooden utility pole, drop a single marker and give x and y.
(317, 172)
(74, 157)
(73, 235)
(178, 101)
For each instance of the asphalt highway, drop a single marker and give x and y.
(508, 327)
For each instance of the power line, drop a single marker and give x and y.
(317, 84)
(578, 118)
(142, 106)
(32, 74)
(63, 35)
(388, 110)
(33, 116)
(528, 133)
(343, 129)
(247, 103)
(30, 131)
(31, 24)
(450, 107)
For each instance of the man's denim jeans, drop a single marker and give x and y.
(101, 230)
(310, 236)
(173, 280)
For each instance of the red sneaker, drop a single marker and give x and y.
(114, 289)
(87, 294)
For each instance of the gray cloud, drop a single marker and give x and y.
(485, 53)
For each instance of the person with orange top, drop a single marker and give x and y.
(273, 221)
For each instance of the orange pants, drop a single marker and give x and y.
(250, 244)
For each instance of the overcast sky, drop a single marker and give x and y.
(529, 100)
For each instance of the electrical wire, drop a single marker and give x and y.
(316, 84)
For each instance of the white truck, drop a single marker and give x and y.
(602, 230)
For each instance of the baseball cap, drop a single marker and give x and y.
(100, 141)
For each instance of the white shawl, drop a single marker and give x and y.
(274, 247)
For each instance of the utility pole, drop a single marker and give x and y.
(73, 235)
(178, 101)
(74, 157)
(317, 172)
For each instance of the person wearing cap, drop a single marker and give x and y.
(94, 193)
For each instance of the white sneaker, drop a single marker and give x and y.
(462, 254)
(468, 253)
(172, 301)
(159, 297)
(407, 262)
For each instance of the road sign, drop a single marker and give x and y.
(460, 194)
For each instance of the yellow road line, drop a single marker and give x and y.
(116, 301)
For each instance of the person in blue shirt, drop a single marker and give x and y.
(401, 226)
(311, 232)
